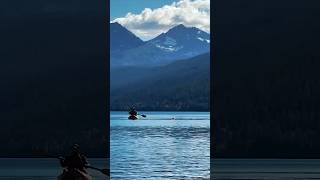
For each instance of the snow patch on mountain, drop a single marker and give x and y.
(169, 48)
(170, 41)
(204, 40)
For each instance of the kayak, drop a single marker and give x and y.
(133, 117)
(74, 174)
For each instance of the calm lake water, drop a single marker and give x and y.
(265, 169)
(223, 169)
(40, 169)
(165, 145)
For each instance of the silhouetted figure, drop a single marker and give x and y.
(76, 160)
(75, 165)
(133, 112)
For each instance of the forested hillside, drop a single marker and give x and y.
(266, 79)
(53, 91)
(181, 86)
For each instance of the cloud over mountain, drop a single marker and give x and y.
(152, 22)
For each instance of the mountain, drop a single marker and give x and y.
(121, 39)
(181, 85)
(186, 41)
(179, 42)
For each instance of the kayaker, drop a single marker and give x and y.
(133, 111)
(76, 160)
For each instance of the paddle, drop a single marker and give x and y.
(103, 171)
(143, 115)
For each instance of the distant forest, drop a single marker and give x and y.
(52, 68)
(180, 86)
(267, 79)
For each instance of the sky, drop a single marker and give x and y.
(149, 18)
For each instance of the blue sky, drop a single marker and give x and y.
(119, 8)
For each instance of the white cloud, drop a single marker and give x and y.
(152, 22)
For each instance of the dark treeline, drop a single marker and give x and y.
(57, 7)
(180, 86)
(53, 73)
(267, 79)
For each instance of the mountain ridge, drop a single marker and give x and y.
(180, 42)
(122, 38)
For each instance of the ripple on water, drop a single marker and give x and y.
(160, 152)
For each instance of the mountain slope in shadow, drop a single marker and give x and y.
(182, 85)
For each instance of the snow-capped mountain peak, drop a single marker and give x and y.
(180, 42)
(181, 37)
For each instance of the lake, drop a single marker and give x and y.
(164, 145)
(40, 168)
(223, 169)
(265, 169)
